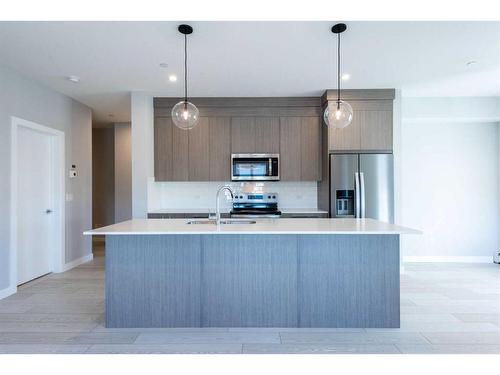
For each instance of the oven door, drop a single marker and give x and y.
(252, 167)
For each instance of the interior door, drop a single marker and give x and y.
(343, 170)
(378, 171)
(34, 202)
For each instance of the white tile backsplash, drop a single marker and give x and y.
(192, 195)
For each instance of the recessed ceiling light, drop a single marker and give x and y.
(345, 76)
(172, 78)
(74, 79)
(471, 63)
(164, 65)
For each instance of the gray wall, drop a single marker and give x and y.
(123, 172)
(26, 99)
(112, 174)
(103, 181)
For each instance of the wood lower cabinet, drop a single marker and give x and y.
(300, 148)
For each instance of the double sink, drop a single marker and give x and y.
(224, 222)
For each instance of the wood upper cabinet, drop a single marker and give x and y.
(310, 148)
(170, 151)
(199, 151)
(267, 135)
(163, 148)
(220, 148)
(300, 148)
(288, 126)
(376, 130)
(290, 155)
(255, 135)
(371, 128)
(348, 138)
(180, 156)
(242, 135)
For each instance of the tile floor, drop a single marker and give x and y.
(445, 308)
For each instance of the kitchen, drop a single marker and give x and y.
(222, 202)
(265, 140)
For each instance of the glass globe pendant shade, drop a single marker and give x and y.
(338, 115)
(185, 115)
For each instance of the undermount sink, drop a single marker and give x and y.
(237, 221)
(222, 222)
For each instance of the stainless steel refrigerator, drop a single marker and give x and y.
(362, 186)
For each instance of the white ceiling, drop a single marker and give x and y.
(251, 58)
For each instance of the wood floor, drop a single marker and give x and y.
(446, 308)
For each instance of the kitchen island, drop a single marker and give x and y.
(269, 273)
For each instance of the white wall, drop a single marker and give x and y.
(123, 172)
(28, 100)
(450, 173)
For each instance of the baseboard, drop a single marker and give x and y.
(77, 262)
(447, 259)
(7, 292)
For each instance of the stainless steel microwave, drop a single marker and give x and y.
(255, 167)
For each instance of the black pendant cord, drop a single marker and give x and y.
(338, 71)
(185, 71)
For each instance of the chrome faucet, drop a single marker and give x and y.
(217, 207)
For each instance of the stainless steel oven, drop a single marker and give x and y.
(255, 167)
(255, 205)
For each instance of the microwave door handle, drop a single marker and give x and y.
(270, 172)
(357, 197)
(362, 194)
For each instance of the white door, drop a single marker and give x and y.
(35, 229)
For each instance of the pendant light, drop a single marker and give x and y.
(185, 114)
(338, 115)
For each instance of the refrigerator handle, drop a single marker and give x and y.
(362, 194)
(357, 196)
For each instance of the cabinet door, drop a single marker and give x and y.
(163, 148)
(267, 135)
(376, 130)
(290, 154)
(242, 135)
(220, 148)
(198, 146)
(310, 149)
(348, 138)
(180, 157)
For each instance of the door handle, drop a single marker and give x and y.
(362, 194)
(357, 201)
(48, 211)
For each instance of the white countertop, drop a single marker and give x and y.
(226, 210)
(263, 226)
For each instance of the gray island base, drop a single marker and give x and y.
(252, 280)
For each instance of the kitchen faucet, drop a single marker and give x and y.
(217, 208)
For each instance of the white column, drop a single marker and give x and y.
(142, 151)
